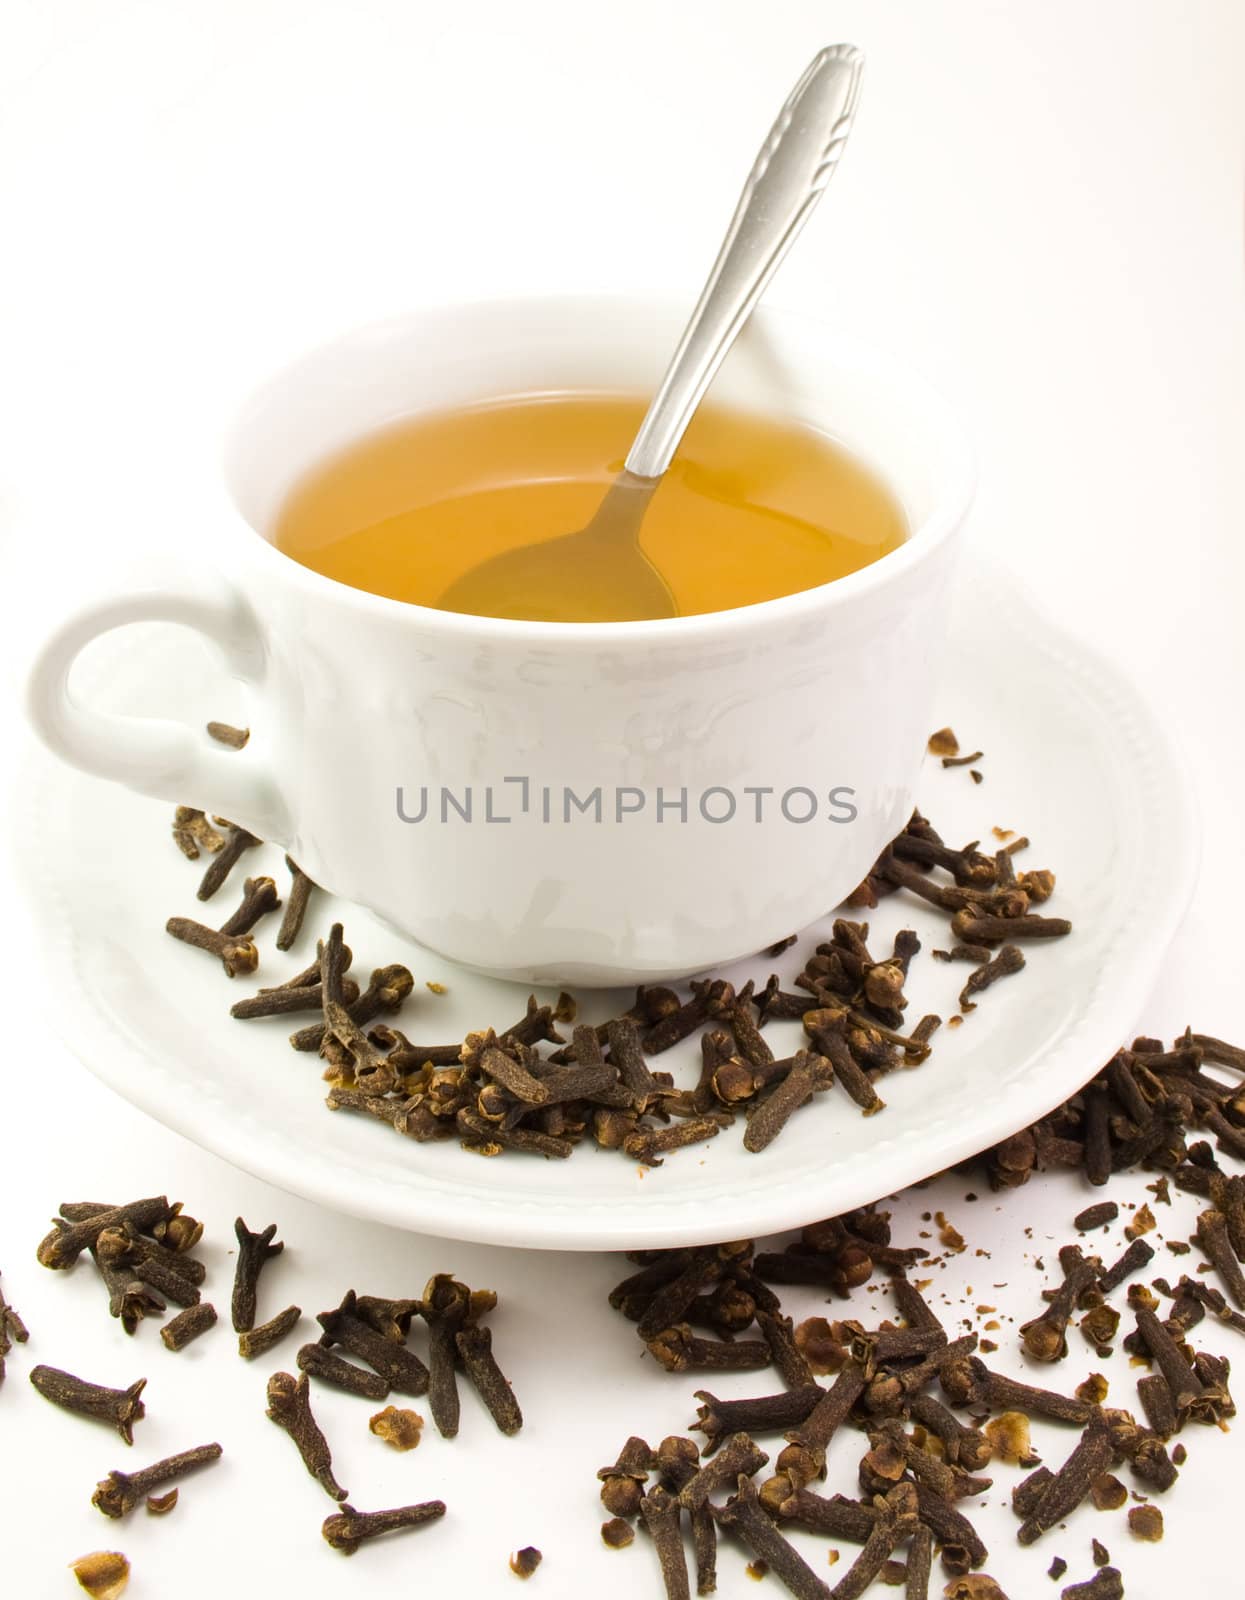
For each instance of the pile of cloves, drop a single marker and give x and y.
(919, 1461)
(374, 1331)
(142, 1252)
(496, 1091)
(932, 1414)
(364, 1350)
(1139, 1111)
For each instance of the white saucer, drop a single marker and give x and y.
(1072, 758)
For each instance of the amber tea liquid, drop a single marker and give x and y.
(751, 508)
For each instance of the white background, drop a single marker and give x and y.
(1042, 205)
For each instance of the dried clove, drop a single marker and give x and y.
(162, 1271)
(679, 1350)
(259, 898)
(288, 1000)
(1213, 1237)
(969, 1381)
(237, 954)
(622, 1483)
(827, 1031)
(1008, 960)
(178, 1331)
(446, 1309)
(225, 860)
(808, 1442)
(1138, 1256)
(475, 1348)
(792, 1363)
(875, 1349)
(62, 1247)
(837, 1517)
(1157, 1403)
(739, 1455)
(743, 1515)
(295, 905)
(319, 1362)
(401, 1368)
(178, 1232)
(1090, 1458)
(120, 1492)
(962, 1446)
(392, 1318)
(660, 1513)
(289, 1406)
(122, 1408)
(978, 927)
(896, 1520)
(949, 1525)
(718, 1419)
(254, 1342)
(1045, 1337)
(129, 1299)
(1186, 1389)
(887, 1390)
(672, 1298)
(808, 1074)
(346, 1529)
(254, 1251)
(920, 1558)
(677, 1025)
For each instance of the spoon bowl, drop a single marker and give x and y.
(518, 583)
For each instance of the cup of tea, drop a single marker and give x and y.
(544, 797)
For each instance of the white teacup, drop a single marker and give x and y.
(589, 803)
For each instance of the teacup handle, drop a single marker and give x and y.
(167, 760)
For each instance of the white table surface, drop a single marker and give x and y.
(1042, 206)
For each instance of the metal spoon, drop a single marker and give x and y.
(603, 564)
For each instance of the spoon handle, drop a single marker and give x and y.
(792, 167)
